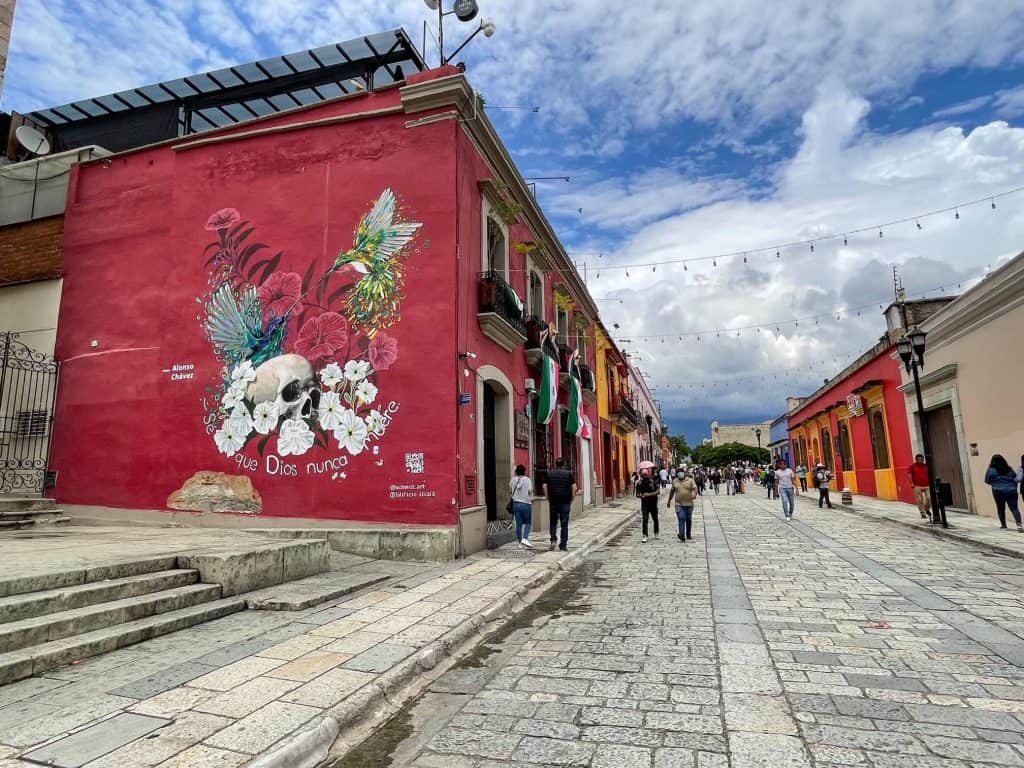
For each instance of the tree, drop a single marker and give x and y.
(729, 453)
(679, 446)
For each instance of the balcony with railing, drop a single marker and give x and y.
(501, 312)
(587, 384)
(622, 409)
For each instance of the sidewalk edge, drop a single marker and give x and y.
(310, 747)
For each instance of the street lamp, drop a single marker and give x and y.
(463, 10)
(758, 433)
(911, 351)
(650, 437)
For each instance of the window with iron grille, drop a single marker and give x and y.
(32, 423)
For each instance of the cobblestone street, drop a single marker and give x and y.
(830, 641)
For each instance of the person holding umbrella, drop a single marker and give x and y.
(648, 490)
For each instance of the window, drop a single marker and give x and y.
(541, 450)
(568, 442)
(497, 247)
(845, 446)
(536, 296)
(581, 345)
(32, 423)
(826, 447)
(562, 321)
(879, 441)
(815, 453)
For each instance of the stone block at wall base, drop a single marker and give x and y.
(473, 530)
(239, 571)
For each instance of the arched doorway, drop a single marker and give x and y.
(494, 439)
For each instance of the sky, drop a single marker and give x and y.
(688, 131)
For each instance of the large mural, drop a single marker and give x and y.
(303, 356)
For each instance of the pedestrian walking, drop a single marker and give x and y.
(821, 479)
(560, 488)
(1004, 481)
(801, 475)
(522, 506)
(716, 479)
(730, 480)
(663, 476)
(684, 491)
(648, 491)
(770, 481)
(919, 482)
(785, 477)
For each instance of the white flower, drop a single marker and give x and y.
(351, 433)
(265, 417)
(356, 370)
(228, 440)
(330, 410)
(331, 375)
(240, 420)
(375, 422)
(234, 395)
(243, 373)
(366, 392)
(295, 438)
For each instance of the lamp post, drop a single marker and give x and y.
(463, 10)
(650, 438)
(758, 433)
(911, 351)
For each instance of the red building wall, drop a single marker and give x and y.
(141, 381)
(881, 368)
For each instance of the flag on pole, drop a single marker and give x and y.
(548, 396)
(574, 425)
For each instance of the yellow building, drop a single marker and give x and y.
(618, 418)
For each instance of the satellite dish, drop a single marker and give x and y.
(32, 140)
(466, 10)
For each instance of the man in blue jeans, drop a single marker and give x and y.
(684, 491)
(787, 488)
(560, 488)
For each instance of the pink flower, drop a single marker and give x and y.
(322, 336)
(223, 219)
(279, 293)
(383, 352)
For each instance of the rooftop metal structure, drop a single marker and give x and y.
(229, 96)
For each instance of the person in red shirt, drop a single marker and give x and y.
(919, 479)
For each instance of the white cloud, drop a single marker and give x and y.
(963, 107)
(1010, 102)
(841, 177)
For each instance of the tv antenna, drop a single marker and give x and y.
(37, 145)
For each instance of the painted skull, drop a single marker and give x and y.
(287, 381)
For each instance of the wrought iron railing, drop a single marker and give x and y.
(497, 296)
(28, 385)
(621, 407)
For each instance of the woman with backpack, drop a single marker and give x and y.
(522, 506)
(1004, 479)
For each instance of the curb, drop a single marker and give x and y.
(936, 531)
(310, 747)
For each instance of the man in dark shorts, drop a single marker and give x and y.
(648, 490)
(560, 488)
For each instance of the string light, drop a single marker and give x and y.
(812, 247)
(918, 224)
(958, 214)
(844, 240)
(879, 232)
(993, 204)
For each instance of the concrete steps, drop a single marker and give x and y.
(18, 512)
(38, 659)
(48, 620)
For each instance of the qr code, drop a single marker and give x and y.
(414, 463)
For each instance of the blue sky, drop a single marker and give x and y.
(688, 130)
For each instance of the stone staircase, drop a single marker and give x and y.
(17, 512)
(54, 619)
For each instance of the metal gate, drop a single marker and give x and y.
(28, 386)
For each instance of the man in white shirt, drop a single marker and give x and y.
(787, 488)
(663, 474)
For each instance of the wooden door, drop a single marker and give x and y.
(946, 452)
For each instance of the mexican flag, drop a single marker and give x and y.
(576, 421)
(548, 396)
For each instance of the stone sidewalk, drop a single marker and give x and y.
(970, 529)
(274, 688)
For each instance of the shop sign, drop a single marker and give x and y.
(855, 405)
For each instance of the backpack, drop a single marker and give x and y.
(820, 478)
